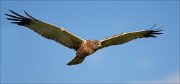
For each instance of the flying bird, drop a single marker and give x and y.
(82, 47)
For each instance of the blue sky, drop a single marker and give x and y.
(27, 57)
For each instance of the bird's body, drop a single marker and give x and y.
(82, 47)
(87, 47)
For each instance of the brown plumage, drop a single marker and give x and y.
(82, 47)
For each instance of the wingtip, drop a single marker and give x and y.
(29, 15)
(153, 26)
(11, 11)
(25, 12)
(153, 36)
(155, 32)
(6, 14)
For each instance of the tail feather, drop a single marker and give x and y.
(76, 60)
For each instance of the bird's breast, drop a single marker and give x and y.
(85, 50)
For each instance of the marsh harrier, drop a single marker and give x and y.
(82, 47)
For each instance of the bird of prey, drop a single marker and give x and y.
(82, 47)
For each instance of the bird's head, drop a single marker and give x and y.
(95, 44)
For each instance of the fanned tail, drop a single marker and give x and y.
(76, 60)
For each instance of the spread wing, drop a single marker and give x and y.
(46, 30)
(126, 37)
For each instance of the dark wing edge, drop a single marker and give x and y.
(46, 30)
(19, 19)
(126, 37)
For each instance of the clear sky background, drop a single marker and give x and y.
(27, 57)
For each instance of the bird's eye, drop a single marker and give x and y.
(98, 44)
